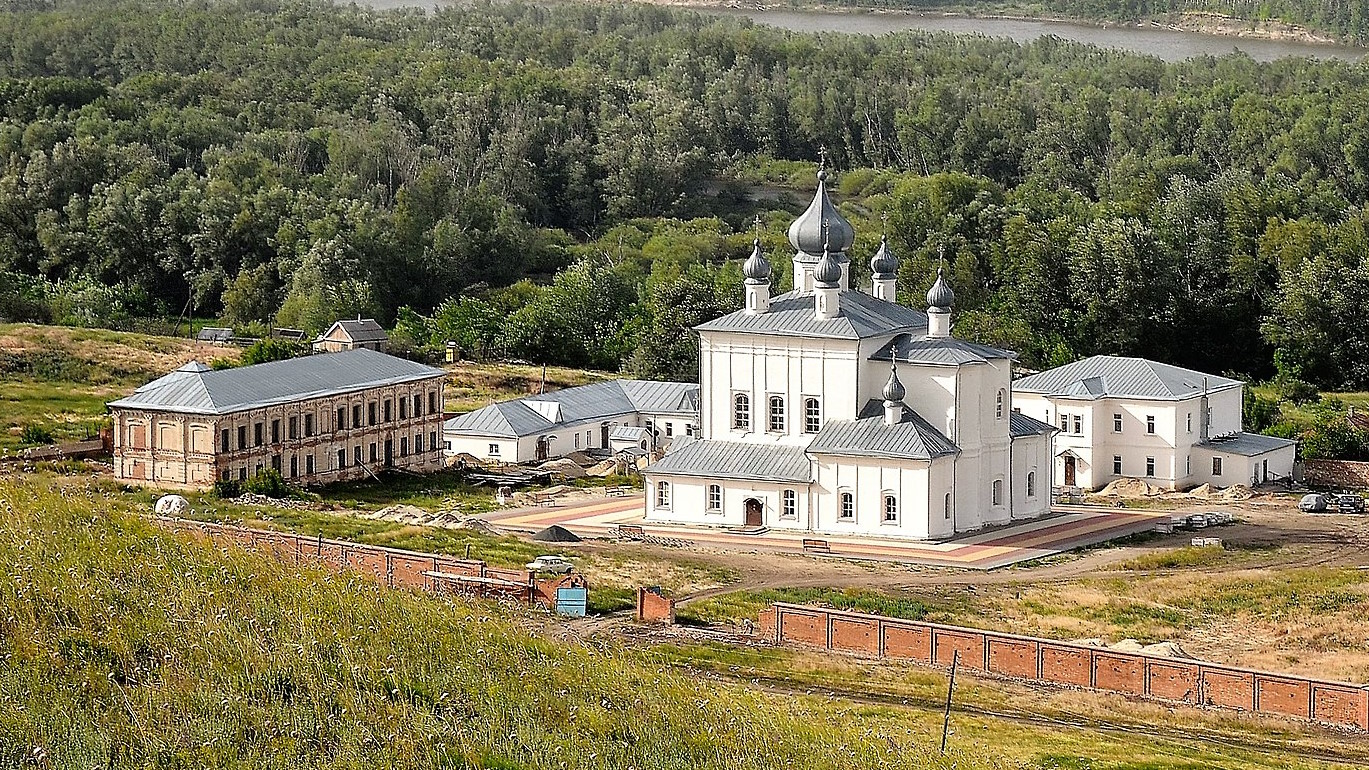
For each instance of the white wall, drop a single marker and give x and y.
(689, 502)
(1031, 454)
(869, 480)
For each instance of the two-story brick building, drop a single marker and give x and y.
(316, 420)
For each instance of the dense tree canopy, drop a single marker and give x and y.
(574, 183)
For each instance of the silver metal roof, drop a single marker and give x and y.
(197, 389)
(1121, 377)
(735, 460)
(913, 438)
(1021, 425)
(943, 351)
(360, 330)
(1247, 444)
(791, 314)
(531, 415)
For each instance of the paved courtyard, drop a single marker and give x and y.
(1066, 529)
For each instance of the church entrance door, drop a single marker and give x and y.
(754, 512)
(1069, 471)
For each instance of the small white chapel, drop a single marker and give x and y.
(830, 410)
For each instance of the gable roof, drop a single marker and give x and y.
(735, 460)
(197, 389)
(912, 438)
(920, 349)
(1021, 425)
(536, 414)
(1121, 377)
(791, 315)
(360, 330)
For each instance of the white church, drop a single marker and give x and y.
(835, 411)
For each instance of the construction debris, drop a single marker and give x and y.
(556, 534)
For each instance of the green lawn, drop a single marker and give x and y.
(69, 410)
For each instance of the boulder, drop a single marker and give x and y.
(172, 505)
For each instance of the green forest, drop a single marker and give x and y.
(574, 184)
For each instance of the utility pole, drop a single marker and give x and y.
(950, 688)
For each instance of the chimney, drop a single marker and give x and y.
(1204, 415)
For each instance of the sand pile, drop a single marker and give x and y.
(563, 467)
(1130, 488)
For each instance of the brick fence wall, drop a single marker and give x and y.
(389, 566)
(1336, 473)
(1061, 663)
(653, 606)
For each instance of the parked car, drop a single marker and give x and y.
(1349, 503)
(557, 565)
(1313, 503)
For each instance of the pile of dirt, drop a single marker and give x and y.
(1127, 645)
(1130, 488)
(563, 467)
(1166, 650)
(1203, 491)
(605, 468)
(556, 534)
(1237, 492)
(1159, 649)
(404, 514)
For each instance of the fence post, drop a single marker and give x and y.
(950, 688)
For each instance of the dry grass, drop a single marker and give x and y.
(473, 385)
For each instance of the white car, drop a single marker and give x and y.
(554, 564)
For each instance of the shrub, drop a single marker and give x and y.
(268, 483)
(226, 489)
(35, 434)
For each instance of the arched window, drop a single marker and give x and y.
(777, 414)
(715, 497)
(741, 412)
(998, 408)
(890, 508)
(948, 506)
(998, 491)
(791, 504)
(848, 507)
(1031, 483)
(663, 494)
(812, 415)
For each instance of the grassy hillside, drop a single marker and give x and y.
(126, 647)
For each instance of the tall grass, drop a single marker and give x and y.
(124, 646)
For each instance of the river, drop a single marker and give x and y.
(1166, 44)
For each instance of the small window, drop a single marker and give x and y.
(371, 413)
(374, 454)
(356, 454)
(1150, 424)
(1117, 465)
(309, 425)
(223, 440)
(432, 402)
(293, 431)
(715, 497)
(946, 506)
(577, 440)
(998, 405)
(242, 473)
(777, 414)
(1117, 423)
(341, 423)
(890, 509)
(669, 429)
(812, 415)
(1064, 423)
(998, 491)
(1078, 424)
(341, 459)
(309, 465)
(257, 434)
(663, 494)
(275, 431)
(1031, 483)
(1190, 422)
(403, 408)
(848, 507)
(1216, 466)
(741, 412)
(689, 429)
(403, 446)
(356, 416)
(1188, 465)
(294, 466)
(1150, 467)
(790, 504)
(386, 410)
(418, 405)
(494, 450)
